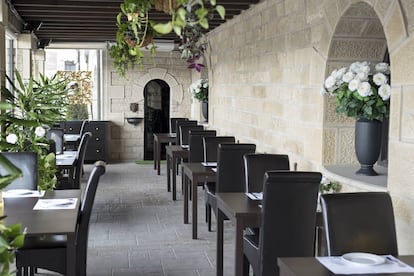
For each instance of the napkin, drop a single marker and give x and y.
(22, 193)
(255, 196)
(338, 265)
(55, 204)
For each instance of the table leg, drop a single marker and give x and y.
(186, 182)
(158, 157)
(168, 173)
(194, 214)
(174, 177)
(219, 255)
(154, 149)
(71, 255)
(238, 262)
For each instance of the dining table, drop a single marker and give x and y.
(159, 139)
(47, 221)
(174, 153)
(71, 141)
(243, 212)
(309, 266)
(194, 175)
(66, 162)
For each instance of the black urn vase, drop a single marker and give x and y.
(204, 109)
(367, 144)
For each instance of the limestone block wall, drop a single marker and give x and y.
(127, 141)
(268, 64)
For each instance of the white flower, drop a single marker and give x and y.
(340, 73)
(362, 76)
(364, 89)
(382, 67)
(385, 91)
(323, 92)
(348, 76)
(40, 131)
(11, 138)
(325, 180)
(330, 82)
(205, 85)
(379, 79)
(354, 84)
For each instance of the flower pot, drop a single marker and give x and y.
(164, 5)
(204, 109)
(367, 144)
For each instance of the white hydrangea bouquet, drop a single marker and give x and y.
(359, 92)
(199, 90)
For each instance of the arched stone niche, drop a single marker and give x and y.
(358, 36)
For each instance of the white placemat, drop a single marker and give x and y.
(54, 204)
(338, 265)
(22, 193)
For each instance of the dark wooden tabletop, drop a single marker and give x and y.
(312, 267)
(62, 221)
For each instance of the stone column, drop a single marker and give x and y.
(38, 62)
(3, 24)
(26, 43)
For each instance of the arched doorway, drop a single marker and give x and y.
(156, 114)
(358, 36)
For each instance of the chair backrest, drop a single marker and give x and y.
(84, 126)
(56, 135)
(184, 132)
(288, 217)
(362, 222)
(182, 123)
(85, 215)
(255, 166)
(173, 123)
(80, 157)
(230, 177)
(27, 163)
(195, 144)
(210, 146)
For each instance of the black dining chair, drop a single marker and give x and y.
(195, 144)
(210, 146)
(173, 123)
(184, 132)
(256, 165)
(27, 163)
(182, 123)
(288, 221)
(359, 222)
(67, 181)
(49, 252)
(56, 135)
(229, 176)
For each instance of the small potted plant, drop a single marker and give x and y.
(199, 91)
(362, 91)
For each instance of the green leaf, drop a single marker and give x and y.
(165, 28)
(204, 23)
(201, 13)
(177, 30)
(213, 2)
(181, 14)
(5, 106)
(221, 11)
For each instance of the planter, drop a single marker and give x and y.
(164, 5)
(204, 109)
(367, 144)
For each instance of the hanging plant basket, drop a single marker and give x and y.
(164, 5)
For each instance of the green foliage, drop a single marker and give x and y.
(77, 112)
(11, 238)
(199, 90)
(12, 172)
(133, 33)
(29, 109)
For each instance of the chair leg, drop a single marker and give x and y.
(209, 218)
(246, 266)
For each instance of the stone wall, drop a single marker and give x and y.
(127, 141)
(266, 70)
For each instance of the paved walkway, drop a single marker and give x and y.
(136, 229)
